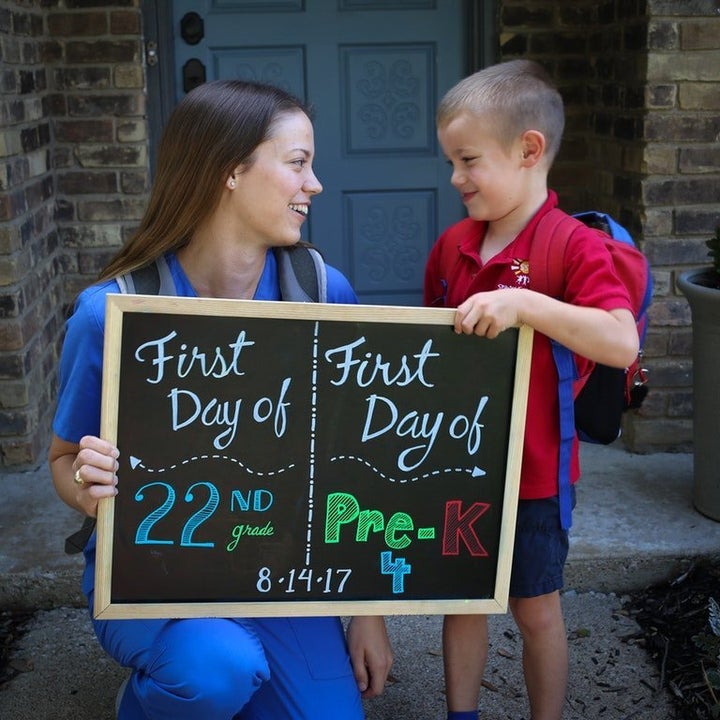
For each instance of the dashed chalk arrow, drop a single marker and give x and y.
(474, 471)
(136, 462)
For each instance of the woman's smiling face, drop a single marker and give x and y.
(271, 196)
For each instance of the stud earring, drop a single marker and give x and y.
(232, 184)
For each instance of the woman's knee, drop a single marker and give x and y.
(202, 668)
(214, 647)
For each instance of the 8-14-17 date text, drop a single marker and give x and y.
(301, 579)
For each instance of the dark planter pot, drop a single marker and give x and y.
(702, 292)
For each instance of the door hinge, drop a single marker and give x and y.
(151, 53)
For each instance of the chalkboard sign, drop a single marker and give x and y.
(289, 458)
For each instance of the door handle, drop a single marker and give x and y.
(192, 28)
(193, 74)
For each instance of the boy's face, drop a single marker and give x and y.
(490, 177)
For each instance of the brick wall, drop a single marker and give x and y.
(30, 294)
(641, 83)
(100, 153)
(680, 197)
(73, 170)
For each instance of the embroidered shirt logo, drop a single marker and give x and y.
(521, 268)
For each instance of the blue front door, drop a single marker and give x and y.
(373, 70)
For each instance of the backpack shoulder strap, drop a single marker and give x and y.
(76, 542)
(301, 270)
(547, 273)
(152, 279)
(302, 274)
(547, 252)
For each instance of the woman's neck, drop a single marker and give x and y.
(222, 269)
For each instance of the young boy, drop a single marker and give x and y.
(500, 130)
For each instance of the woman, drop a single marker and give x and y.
(234, 180)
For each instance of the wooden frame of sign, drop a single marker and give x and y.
(307, 459)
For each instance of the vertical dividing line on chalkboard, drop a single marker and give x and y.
(313, 423)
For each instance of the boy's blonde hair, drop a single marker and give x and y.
(511, 97)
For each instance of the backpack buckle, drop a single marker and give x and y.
(637, 387)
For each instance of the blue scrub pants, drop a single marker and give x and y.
(241, 668)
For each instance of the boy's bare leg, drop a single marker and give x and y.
(465, 651)
(545, 653)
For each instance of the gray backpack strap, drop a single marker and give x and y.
(301, 271)
(152, 279)
(302, 274)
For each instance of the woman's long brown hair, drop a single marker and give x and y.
(215, 127)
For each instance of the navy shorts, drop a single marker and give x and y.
(541, 548)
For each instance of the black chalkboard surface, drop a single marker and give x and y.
(287, 458)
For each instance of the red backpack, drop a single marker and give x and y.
(607, 392)
(595, 411)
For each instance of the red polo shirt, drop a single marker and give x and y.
(455, 273)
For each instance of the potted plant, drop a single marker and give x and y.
(701, 287)
(709, 644)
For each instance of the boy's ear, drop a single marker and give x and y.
(532, 147)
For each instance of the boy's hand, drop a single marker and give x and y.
(609, 337)
(488, 313)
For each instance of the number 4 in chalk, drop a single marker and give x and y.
(397, 568)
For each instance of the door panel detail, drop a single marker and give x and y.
(387, 98)
(283, 67)
(389, 234)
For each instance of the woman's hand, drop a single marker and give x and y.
(84, 473)
(370, 654)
